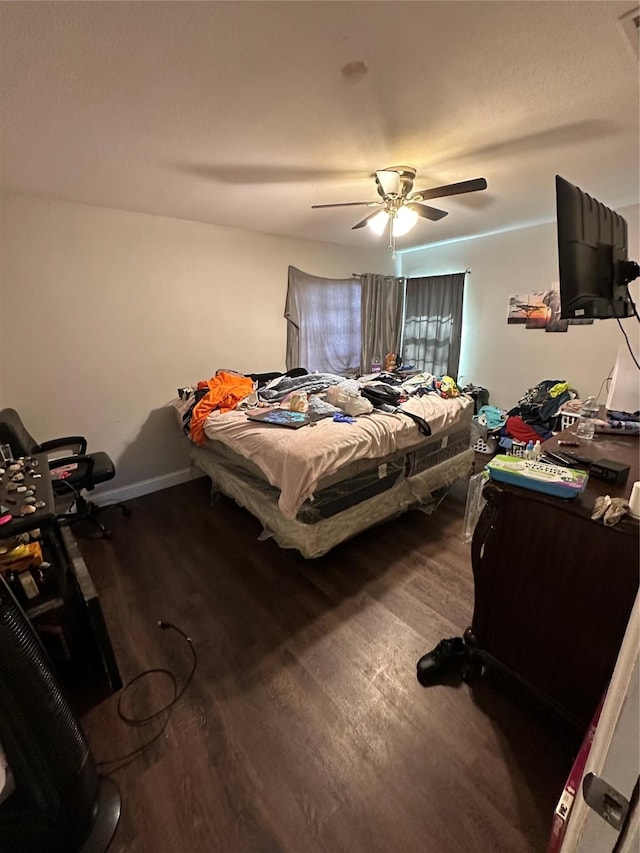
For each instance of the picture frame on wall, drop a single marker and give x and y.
(539, 309)
(555, 323)
(520, 309)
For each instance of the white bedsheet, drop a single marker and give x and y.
(296, 460)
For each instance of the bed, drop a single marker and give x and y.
(314, 487)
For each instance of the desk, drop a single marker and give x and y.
(66, 614)
(37, 479)
(619, 448)
(553, 589)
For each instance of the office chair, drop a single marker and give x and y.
(89, 469)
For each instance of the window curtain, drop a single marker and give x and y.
(323, 323)
(433, 323)
(382, 297)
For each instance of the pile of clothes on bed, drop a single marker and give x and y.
(324, 394)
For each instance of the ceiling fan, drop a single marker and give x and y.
(400, 208)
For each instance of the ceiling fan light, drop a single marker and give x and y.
(378, 222)
(390, 181)
(404, 221)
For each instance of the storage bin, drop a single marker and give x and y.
(568, 419)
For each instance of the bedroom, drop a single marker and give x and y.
(158, 180)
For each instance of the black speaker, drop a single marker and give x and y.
(60, 803)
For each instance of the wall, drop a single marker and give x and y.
(106, 313)
(509, 359)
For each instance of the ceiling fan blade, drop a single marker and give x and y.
(348, 204)
(363, 222)
(427, 212)
(451, 189)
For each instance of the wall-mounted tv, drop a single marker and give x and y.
(592, 252)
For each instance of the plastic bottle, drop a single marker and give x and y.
(528, 451)
(536, 453)
(587, 421)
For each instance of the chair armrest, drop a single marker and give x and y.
(83, 469)
(74, 443)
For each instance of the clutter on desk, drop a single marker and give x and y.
(612, 472)
(18, 495)
(607, 422)
(531, 419)
(634, 500)
(609, 509)
(556, 480)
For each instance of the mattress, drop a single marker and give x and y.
(357, 481)
(299, 464)
(314, 487)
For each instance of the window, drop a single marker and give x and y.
(340, 325)
(433, 323)
(323, 323)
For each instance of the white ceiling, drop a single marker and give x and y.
(247, 113)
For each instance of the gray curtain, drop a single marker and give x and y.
(433, 323)
(323, 323)
(382, 297)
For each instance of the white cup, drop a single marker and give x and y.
(634, 500)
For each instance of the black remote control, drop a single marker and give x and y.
(560, 459)
(582, 460)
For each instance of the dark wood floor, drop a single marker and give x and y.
(305, 728)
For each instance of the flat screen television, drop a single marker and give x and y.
(592, 253)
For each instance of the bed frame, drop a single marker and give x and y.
(357, 497)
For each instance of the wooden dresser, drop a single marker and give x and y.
(554, 589)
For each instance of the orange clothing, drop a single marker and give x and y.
(225, 392)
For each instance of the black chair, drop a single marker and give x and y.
(86, 472)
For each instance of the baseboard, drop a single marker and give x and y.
(145, 487)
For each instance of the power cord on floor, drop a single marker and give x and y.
(123, 760)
